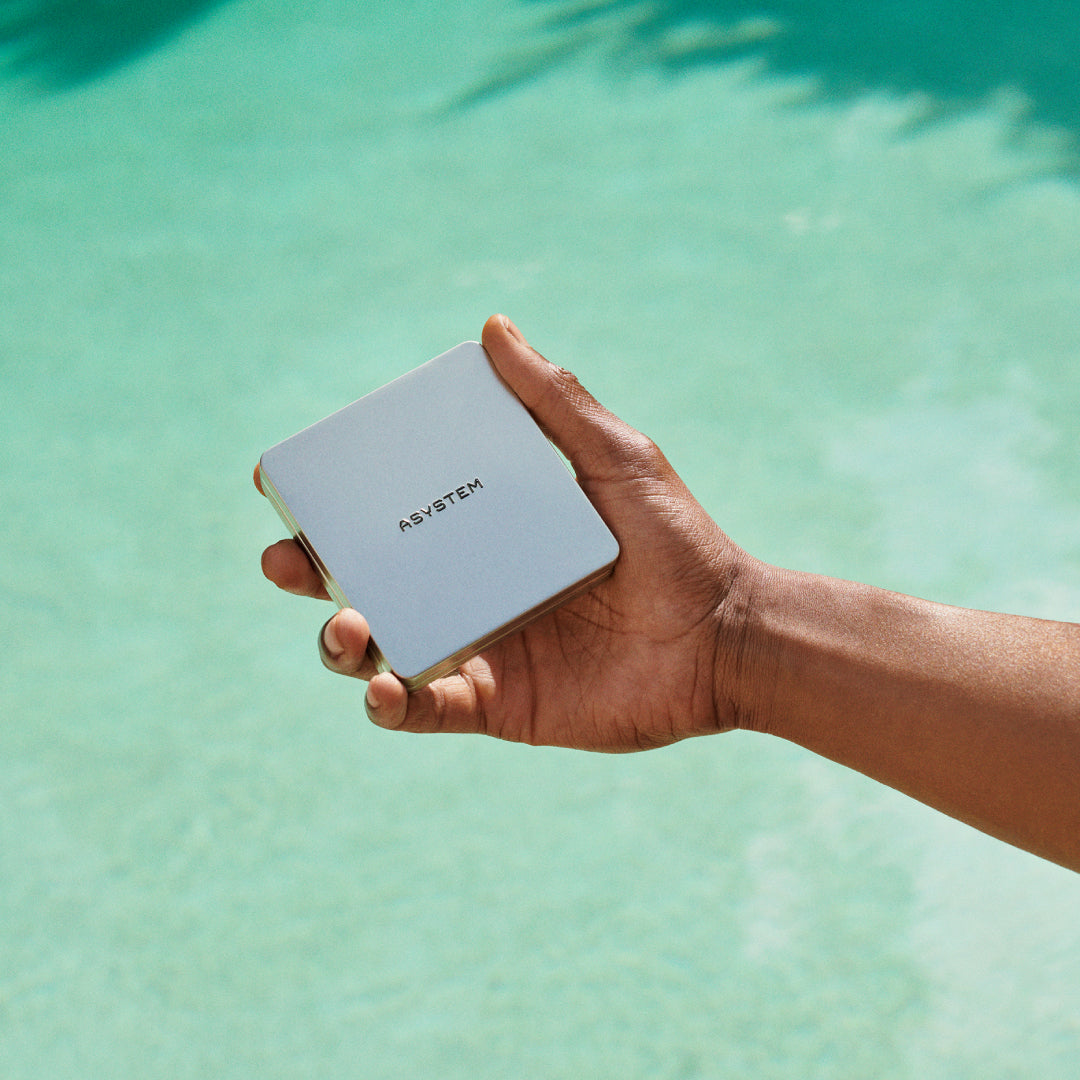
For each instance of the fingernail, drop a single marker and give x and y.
(513, 330)
(333, 647)
(372, 704)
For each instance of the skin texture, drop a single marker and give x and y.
(974, 713)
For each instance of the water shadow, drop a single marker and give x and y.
(958, 53)
(60, 44)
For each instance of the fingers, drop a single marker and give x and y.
(453, 704)
(450, 704)
(286, 565)
(343, 643)
(386, 701)
(594, 439)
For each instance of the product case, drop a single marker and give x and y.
(437, 507)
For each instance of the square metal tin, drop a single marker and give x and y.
(437, 507)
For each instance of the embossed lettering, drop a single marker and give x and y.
(437, 506)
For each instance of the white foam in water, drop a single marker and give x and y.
(855, 333)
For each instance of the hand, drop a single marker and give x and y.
(650, 656)
(976, 713)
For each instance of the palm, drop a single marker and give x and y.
(627, 666)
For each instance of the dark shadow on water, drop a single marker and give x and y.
(958, 53)
(59, 44)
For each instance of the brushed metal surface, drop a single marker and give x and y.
(437, 507)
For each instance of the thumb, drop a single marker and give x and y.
(591, 437)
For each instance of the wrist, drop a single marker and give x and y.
(746, 665)
(786, 639)
(834, 660)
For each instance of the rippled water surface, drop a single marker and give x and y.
(843, 297)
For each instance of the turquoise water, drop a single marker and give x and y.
(846, 305)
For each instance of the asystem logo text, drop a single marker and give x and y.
(437, 506)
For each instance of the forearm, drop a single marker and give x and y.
(974, 713)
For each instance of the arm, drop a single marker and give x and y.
(973, 713)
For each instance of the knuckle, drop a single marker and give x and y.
(641, 454)
(562, 385)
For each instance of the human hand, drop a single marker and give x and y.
(647, 657)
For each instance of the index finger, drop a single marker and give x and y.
(288, 567)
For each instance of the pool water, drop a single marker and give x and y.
(848, 312)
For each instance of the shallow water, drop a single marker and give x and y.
(849, 319)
